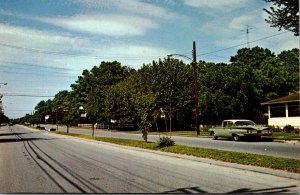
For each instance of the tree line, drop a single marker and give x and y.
(160, 95)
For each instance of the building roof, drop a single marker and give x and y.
(293, 97)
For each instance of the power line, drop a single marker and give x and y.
(37, 74)
(40, 71)
(71, 54)
(33, 65)
(122, 57)
(242, 44)
(32, 81)
(25, 95)
(17, 110)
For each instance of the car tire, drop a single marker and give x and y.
(214, 137)
(236, 138)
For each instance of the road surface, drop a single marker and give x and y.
(255, 147)
(39, 162)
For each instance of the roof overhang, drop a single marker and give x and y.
(293, 97)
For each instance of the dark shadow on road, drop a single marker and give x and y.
(276, 190)
(9, 134)
(248, 139)
(21, 139)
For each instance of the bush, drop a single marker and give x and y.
(276, 129)
(206, 128)
(165, 142)
(288, 129)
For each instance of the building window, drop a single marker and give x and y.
(294, 109)
(277, 110)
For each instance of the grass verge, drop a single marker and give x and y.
(291, 165)
(285, 135)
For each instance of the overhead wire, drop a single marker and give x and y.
(238, 45)
(71, 54)
(34, 65)
(37, 74)
(26, 95)
(124, 57)
(40, 71)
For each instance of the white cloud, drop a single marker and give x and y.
(259, 29)
(20, 35)
(101, 24)
(84, 52)
(133, 6)
(240, 22)
(36, 81)
(138, 51)
(215, 3)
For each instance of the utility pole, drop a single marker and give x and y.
(56, 118)
(196, 87)
(194, 62)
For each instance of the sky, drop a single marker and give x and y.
(46, 44)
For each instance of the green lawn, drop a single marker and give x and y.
(291, 165)
(285, 135)
(177, 133)
(281, 135)
(181, 133)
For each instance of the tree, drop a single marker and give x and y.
(286, 15)
(3, 118)
(69, 109)
(91, 88)
(236, 90)
(171, 81)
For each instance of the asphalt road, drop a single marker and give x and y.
(39, 162)
(264, 147)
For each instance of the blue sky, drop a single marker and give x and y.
(45, 44)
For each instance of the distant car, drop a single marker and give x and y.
(237, 128)
(52, 129)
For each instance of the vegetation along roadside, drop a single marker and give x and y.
(286, 164)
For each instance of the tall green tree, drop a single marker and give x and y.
(236, 90)
(3, 118)
(91, 88)
(284, 14)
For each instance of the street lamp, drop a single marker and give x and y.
(82, 113)
(194, 61)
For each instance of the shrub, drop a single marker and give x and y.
(276, 129)
(206, 128)
(165, 142)
(288, 129)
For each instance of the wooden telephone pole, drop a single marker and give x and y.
(196, 87)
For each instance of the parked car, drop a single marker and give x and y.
(237, 128)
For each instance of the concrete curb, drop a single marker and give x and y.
(263, 170)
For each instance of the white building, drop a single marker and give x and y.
(284, 111)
